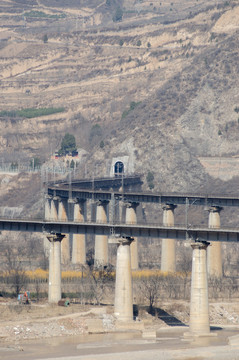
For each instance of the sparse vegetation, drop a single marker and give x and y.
(150, 180)
(95, 133)
(30, 113)
(133, 105)
(41, 14)
(118, 15)
(45, 39)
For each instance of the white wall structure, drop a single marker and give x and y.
(128, 165)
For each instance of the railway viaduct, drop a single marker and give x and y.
(65, 213)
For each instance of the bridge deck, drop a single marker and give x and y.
(134, 230)
(63, 191)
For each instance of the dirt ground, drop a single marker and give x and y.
(40, 331)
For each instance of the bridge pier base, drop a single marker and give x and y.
(214, 251)
(123, 307)
(54, 290)
(101, 241)
(199, 307)
(131, 218)
(168, 254)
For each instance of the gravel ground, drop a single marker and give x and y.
(40, 331)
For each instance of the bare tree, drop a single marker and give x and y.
(149, 288)
(171, 286)
(215, 286)
(13, 266)
(100, 281)
(185, 268)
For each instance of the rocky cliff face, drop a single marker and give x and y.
(161, 86)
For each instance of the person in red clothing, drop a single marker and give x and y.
(26, 297)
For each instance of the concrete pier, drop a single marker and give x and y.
(65, 244)
(168, 255)
(101, 241)
(47, 216)
(123, 284)
(214, 251)
(54, 208)
(47, 210)
(131, 218)
(78, 241)
(199, 307)
(54, 290)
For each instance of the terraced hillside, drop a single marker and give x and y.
(161, 85)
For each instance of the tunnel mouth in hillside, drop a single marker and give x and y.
(119, 168)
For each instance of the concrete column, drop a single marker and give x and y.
(47, 216)
(168, 255)
(214, 252)
(123, 283)
(131, 218)
(114, 214)
(78, 242)
(65, 244)
(101, 241)
(122, 211)
(47, 212)
(54, 290)
(199, 307)
(54, 208)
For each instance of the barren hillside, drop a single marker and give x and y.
(162, 84)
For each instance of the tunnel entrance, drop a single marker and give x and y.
(119, 168)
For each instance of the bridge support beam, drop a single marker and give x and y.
(65, 245)
(168, 254)
(123, 285)
(199, 307)
(101, 241)
(54, 290)
(214, 251)
(131, 218)
(78, 242)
